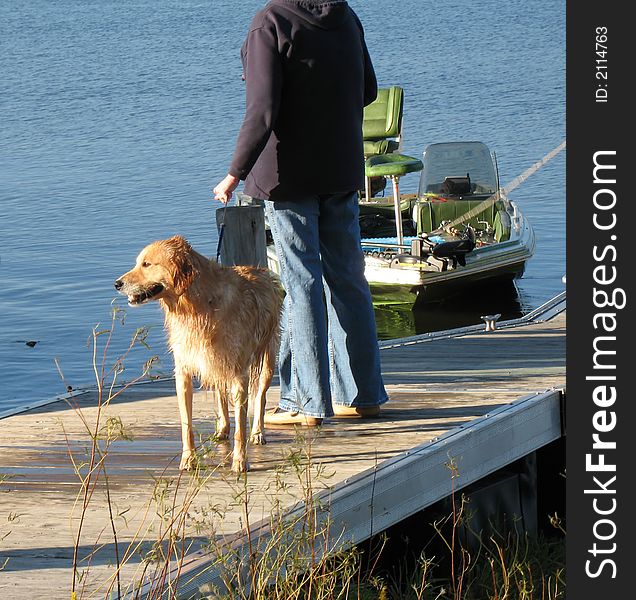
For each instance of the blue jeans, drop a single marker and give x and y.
(329, 350)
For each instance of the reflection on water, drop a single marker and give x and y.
(397, 316)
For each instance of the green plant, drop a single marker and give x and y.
(102, 433)
(12, 517)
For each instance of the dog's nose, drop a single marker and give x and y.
(118, 284)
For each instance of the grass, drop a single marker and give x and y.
(516, 569)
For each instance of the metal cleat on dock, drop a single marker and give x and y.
(491, 321)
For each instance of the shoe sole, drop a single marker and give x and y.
(359, 412)
(287, 418)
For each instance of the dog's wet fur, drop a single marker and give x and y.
(223, 326)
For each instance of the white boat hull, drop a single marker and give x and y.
(482, 260)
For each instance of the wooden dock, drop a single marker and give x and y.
(480, 400)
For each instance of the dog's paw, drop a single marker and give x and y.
(222, 434)
(188, 460)
(239, 465)
(258, 439)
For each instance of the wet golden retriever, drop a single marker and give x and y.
(223, 328)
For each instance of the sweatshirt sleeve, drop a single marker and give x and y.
(370, 80)
(262, 70)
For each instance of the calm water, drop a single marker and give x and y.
(117, 119)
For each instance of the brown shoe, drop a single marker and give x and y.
(282, 417)
(364, 412)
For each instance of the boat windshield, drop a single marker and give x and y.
(466, 166)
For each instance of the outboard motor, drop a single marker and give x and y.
(456, 249)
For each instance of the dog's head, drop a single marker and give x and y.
(163, 269)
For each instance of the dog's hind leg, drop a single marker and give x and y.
(265, 375)
(183, 383)
(223, 413)
(239, 394)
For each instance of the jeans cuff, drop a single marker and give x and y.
(383, 400)
(293, 406)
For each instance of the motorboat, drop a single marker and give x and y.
(460, 229)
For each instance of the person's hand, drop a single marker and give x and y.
(223, 191)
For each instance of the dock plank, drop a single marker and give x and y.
(434, 388)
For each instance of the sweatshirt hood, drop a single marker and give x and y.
(326, 14)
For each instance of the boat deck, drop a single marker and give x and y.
(481, 399)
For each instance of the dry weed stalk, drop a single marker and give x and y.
(92, 473)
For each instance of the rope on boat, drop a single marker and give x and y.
(516, 182)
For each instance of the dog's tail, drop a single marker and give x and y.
(263, 367)
(264, 364)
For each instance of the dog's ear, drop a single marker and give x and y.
(182, 267)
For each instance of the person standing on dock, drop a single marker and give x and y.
(308, 76)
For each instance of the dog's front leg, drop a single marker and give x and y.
(239, 456)
(184, 396)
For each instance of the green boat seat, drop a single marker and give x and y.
(372, 147)
(382, 127)
(391, 165)
(502, 226)
(382, 118)
(381, 130)
(429, 215)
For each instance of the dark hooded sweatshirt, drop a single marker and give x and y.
(308, 76)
